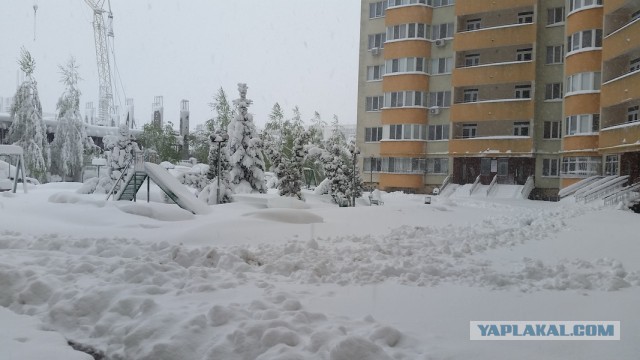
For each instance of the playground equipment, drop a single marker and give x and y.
(14, 151)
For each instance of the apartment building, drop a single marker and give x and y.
(504, 90)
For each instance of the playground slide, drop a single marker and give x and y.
(175, 189)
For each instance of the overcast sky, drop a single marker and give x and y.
(295, 52)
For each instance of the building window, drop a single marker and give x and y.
(377, 9)
(611, 165)
(524, 54)
(525, 17)
(521, 128)
(470, 95)
(587, 81)
(408, 132)
(438, 166)
(469, 130)
(582, 124)
(577, 4)
(553, 91)
(406, 2)
(632, 113)
(473, 24)
(376, 41)
(440, 99)
(374, 103)
(551, 130)
(472, 60)
(372, 164)
(523, 91)
(404, 165)
(581, 166)
(555, 54)
(441, 66)
(441, 31)
(407, 31)
(438, 132)
(555, 15)
(375, 73)
(585, 39)
(439, 3)
(404, 99)
(634, 65)
(551, 167)
(373, 134)
(405, 65)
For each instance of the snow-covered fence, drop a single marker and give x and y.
(475, 185)
(528, 187)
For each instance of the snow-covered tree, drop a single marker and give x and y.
(336, 164)
(120, 151)
(223, 112)
(27, 128)
(161, 139)
(245, 149)
(213, 157)
(290, 171)
(71, 138)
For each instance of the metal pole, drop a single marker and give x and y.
(353, 182)
(218, 188)
(371, 173)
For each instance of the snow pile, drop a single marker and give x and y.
(287, 216)
(156, 301)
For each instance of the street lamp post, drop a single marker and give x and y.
(219, 139)
(353, 189)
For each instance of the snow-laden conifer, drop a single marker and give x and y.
(245, 149)
(27, 128)
(70, 138)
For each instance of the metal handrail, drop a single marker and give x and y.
(614, 198)
(604, 189)
(494, 181)
(529, 185)
(475, 185)
(120, 178)
(445, 182)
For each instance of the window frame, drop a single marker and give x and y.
(374, 134)
(471, 60)
(438, 132)
(378, 39)
(525, 17)
(524, 54)
(552, 130)
(553, 14)
(371, 72)
(553, 91)
(575, 123)
(442, 99)
(473, 24)
(470, 95)
(555, 55)
(371, 100)
(548, 167)
(469, 130)
(522, 90)
(521, 128)
(633, 113)
(377, 9)
(611, 165)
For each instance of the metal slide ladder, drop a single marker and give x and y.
(132, 186)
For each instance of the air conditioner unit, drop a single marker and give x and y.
(434, 110)
(440, 42)
(375, 51)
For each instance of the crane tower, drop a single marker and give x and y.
(106, 106)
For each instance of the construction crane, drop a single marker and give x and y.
(101, 32)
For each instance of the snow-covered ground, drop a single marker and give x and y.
(268, 278)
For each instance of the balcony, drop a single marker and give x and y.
(492, 145)
(613, 5)
(624, 136)
(404, 116)
(507, 109)
(467, 7)
(508, 35)
(620, 90)
(402, 181)
(621, 41)
(496, 73)
(580, 143)
(407, 48)
(400, 82)
(402, 148)
(408, 14)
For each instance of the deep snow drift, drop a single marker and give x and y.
(270, 278)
